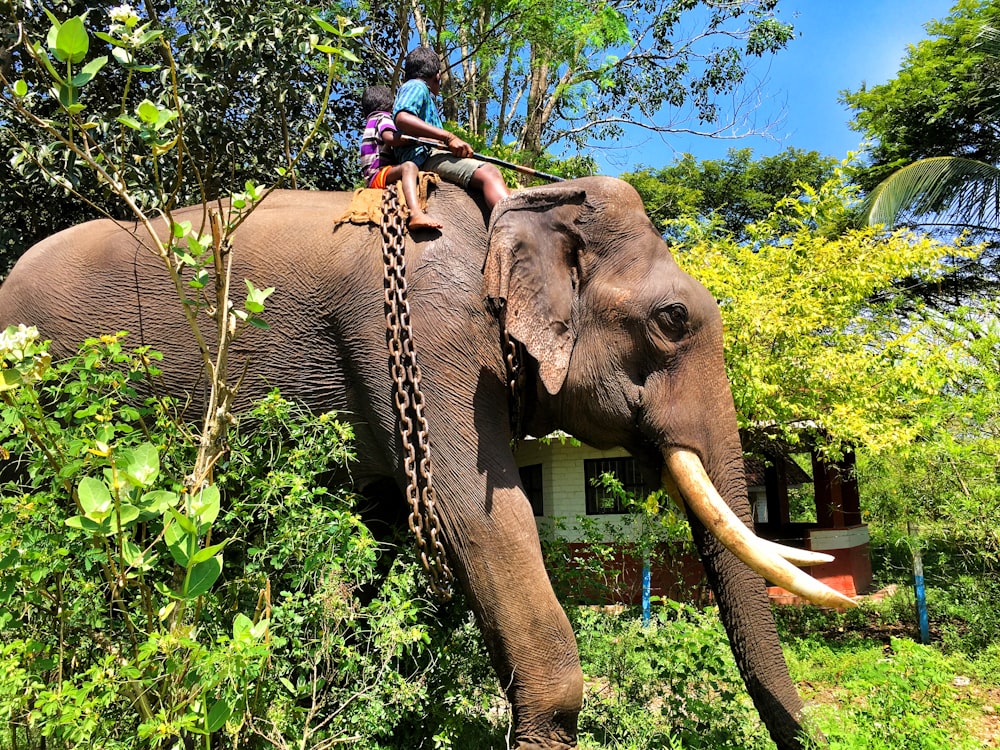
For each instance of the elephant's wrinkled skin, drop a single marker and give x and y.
(625, 349)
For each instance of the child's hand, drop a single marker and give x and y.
(458, 147)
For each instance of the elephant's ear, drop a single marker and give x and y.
(531, 273)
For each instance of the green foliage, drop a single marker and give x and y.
(947, 481)
(888, 695)
(816, 332)
(570, 73)
(673, 684)
(941, 102)
(218, 93)
(258, 612)
(932, 139)
(592, 560)
(731, 193)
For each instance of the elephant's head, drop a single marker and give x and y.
(628, 351)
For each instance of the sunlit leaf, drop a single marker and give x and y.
(95, 498)
(202, 577)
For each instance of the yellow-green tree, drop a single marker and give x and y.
(818, 332)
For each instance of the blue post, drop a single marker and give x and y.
(645, 592)
(918, 586)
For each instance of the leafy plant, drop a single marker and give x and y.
(259, 612)
(672, 684)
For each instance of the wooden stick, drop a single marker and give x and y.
(489, 159)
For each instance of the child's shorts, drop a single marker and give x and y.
(378, 181)
(452, 168)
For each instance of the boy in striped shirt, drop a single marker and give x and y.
(378, 162)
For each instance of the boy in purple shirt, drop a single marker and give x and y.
(378, 163)
(416, 114)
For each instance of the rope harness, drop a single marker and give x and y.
(424, 520)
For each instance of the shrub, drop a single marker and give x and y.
(259, 612)
(672, 684)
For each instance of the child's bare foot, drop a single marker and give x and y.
(423, 221)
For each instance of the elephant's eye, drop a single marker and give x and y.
(672, 320)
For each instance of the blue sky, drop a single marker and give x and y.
(839, 44)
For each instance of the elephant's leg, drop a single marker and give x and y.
(529, 637)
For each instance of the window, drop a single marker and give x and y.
(626, 469)
(531, 480)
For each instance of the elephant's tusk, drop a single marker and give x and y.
(794, 555)
(685, 473)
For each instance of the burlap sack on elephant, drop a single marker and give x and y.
(366, 203)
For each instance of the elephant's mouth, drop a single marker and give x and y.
(684, 477)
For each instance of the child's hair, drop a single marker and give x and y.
(376, 99)
(422, 62)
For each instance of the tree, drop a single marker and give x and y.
(935, 142)
(730, 193)
(942, 102)
(814, 334)
(568, 74)
(252, 94)
(959, 192)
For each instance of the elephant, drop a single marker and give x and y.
(620, 348)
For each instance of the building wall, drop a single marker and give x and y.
(564, 485)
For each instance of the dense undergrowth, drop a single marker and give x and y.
(266, 615)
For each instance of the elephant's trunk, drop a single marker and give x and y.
(721, 533)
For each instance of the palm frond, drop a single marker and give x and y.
(961, 191)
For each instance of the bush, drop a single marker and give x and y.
(134, 614)
(673, 684)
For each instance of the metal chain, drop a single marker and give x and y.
(513, 357)
(424, 521)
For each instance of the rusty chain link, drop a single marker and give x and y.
(424, 521)
(513, 357)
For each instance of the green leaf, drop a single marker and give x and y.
(148, 112)
(126, 515)
(95, 499)
(202, 577)
(203, 554)
(181, 542)
(325, 25)
(20, 87)
(123, 56)
(71, 41)
(134, 556)
(183, 521)
(149, 36)
(84, 524)
(218, 715)
(50, 38)
(241, 627)
(130, 122)
(205, 505)
(90, 70)
(256, 297)
(106, 37)
(10, 379)
(259, 630)
(158, 501)
(142, 464)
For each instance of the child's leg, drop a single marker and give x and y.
(489, 181)
(408, 173)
